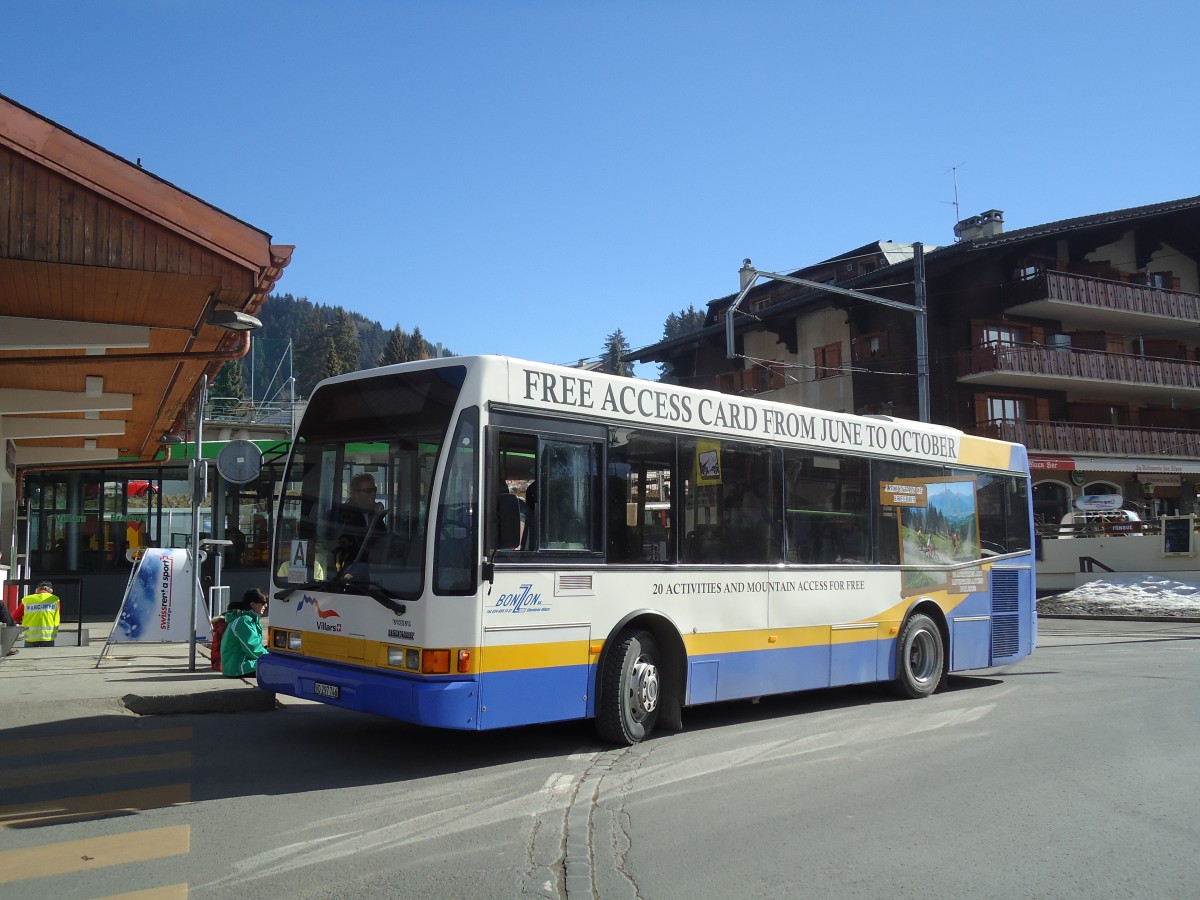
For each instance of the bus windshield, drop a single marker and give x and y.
(356, 494)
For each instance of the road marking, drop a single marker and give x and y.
(167, 892)
(100, 768)
(93, 853)
(93, 741)
(94, 805)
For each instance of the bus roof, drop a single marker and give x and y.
(561, 390)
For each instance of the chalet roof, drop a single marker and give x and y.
(108, 276)
(1079, 223)
(900, 260)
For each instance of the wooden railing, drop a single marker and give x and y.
(1035, 359)
(1067, 437)
(1103, 293)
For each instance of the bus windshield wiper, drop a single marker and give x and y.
(305, 586)
(376, 592)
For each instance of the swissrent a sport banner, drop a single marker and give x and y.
(158, 599)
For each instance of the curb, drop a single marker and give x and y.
(231, 701)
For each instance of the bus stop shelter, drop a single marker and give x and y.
(118, 291)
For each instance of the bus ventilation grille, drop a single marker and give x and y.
(573, 584)
(1006, 620)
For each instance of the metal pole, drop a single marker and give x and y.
(291, 383)
(922, 314)
(194, 548)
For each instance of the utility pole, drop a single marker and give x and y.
(750, 275)
(199, 494)
(922, 314)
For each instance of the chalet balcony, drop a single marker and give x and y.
(1116, 440)
(1081, 372)
(1082, 301)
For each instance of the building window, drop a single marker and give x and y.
(870, 346)
(1007, 409)
(995, 335)
(760, 303)
(828, 360)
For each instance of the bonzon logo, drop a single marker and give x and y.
(522, 600)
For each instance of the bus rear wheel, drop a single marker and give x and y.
(920, 658)
(630, 689)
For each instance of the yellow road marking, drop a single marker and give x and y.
(99, 768)
(96, 740)
(93, 853)
(92, 805)
(167, 892)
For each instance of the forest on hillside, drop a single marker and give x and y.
(324, 341)
(312, 341)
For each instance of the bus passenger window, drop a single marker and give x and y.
(730, 503)
(568, 501)
(638, 497)
(824, 502)
(514, 466)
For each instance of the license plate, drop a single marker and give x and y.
(332, 691)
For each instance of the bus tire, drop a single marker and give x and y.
(920, 658)
(630, 689)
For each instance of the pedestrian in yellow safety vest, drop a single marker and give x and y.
(41, 619)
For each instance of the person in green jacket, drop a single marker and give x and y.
(242, 642)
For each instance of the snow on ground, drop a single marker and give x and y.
(1138, 595)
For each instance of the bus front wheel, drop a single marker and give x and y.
(630, 689)
(919, 658)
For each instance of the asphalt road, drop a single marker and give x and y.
(1075, 773)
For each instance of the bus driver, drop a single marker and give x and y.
(357, 523)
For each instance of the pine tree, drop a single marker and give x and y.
(315, 353)
(228, 390)
(615, 359)
(230, 381)
(677, 325)
(394, 347)
(345, 341)
(417, 347)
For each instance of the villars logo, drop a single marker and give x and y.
(323, 614)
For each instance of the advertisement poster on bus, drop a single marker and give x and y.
(939, 526)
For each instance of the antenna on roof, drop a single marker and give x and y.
(953, 170)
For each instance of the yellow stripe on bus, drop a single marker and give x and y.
(984, 452)
(536, 656)
(93, 853)
(516, 657)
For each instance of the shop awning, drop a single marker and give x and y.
(1136, 465)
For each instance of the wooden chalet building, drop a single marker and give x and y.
(1078, 338)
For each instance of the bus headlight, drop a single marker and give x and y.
(395, 657)
(285, 640)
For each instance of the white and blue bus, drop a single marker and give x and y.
(551, 544)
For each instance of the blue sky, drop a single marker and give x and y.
(525, 177)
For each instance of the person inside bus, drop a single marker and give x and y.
(529, 534)
(357, 523)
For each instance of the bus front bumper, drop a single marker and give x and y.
(420, 700)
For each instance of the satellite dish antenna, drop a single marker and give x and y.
(239, 462)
